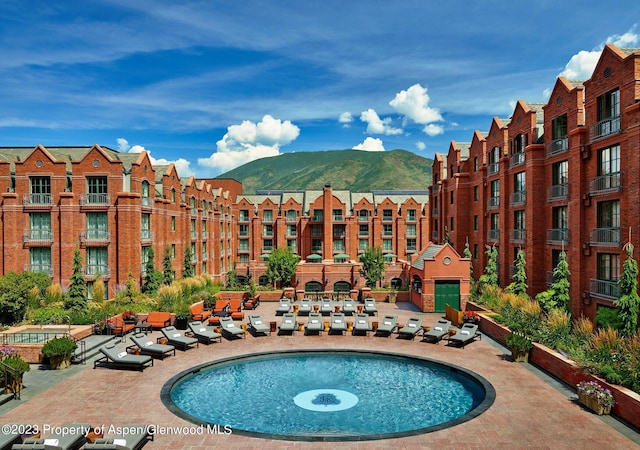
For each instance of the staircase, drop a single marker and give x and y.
(90, 346)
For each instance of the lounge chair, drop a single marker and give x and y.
(133, 437)
(370, 306)
(198, 312)
(235, 308)
(158, 319)
(258, 324)
(283, 307)
(148, 347)
(202, 333)
(176, 338)
(314, 324)
(338, 323)
(437, 331)
(349, 307)
(7, 440)
(412, 328)
(362, 324)
(326, 307)
(289, 324)
(388, 325)
(71, 437)
(305, 307)
(230, 328)
(249, 302)
(115, 359)
(468, 333)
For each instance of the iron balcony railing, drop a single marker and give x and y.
(517, 159)
(493, 202)
(518, 198)
(146, 201)
(205, 234)
(146, 235)
(338, 218)
(37, 200)
(605, 237)
(94, 199)
(605, 128)
(39, 268)
(38, 236)
(604, 288)
(605, 183)
(92, 235)
(493, 235)
(558, 235)
(92, 270)
(518, 235)
(558, 191)
(492, 168)
(557, 146)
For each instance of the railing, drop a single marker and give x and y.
(94, 199)
(605, 128)
(243, 234)
(205, 235)
(518, 198)
(518, 235)
(556, 146)
(363, 218)
(605, 237)
(194, 235)
(39, 268)
(92, 270)
(557, 191)
(606, 288)
(338, 218)
(517, 159)
(493, 202)
(95, 236)
(387, 218)
(193, 212)
(605, 183)
(316, 248)
(243, 219)
(492, 168)
(267, 248)
(146, 235)
(493, 235)
(37, 200)
(411, 219)
(146, 201)
(38, 236)
(292, 233)
(26, 337)
(12, 379)
(558, 235)
(434, 211)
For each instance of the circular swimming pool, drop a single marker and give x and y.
(328, 395)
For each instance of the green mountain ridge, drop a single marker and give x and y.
(355, 170)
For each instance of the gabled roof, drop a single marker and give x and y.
(429, 253)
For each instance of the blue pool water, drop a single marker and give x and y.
(354, 395)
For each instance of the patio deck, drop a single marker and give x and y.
(530, 410)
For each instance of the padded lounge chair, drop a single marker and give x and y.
(362, 324)
(115, 359)
(235, 308)
(370, 306)
(148, 347)
(412, 328)
(338, 323)
(230, 328)
(9, 439)
(176, 338)
(468, 333)
(314, 324)
(202, 333)
(258, 324)
(437, 331)
(387, 326)
(283, 307)
(289, 324)
(71, 437)
(135, 438)
(305, 307)
(326, 307)
(349, 307)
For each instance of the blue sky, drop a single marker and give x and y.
(211, 85)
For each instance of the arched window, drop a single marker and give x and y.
(341, 286)
(396, 283)
(313, 286)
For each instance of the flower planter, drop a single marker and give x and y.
(519, 355)
(59, 362)
(592, 404)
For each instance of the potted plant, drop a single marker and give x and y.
(471, 317)
(520, 346)
(183, 314)
(129, 316)
(12, 377)
(59, 351)
(595, 397)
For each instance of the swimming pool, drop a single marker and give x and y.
(333, 395)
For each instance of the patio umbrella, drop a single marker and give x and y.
(341, 256)
(389, 255)
(314, 257)
(265, 256)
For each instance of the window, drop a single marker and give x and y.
(244, 215)
(338, 245)
(451, 197)
(559, 127)
(364, 230)
(316, 245)
(316, 230)
(363, 215)
(475, 223)
(387, 245)
(145, 226)
(173, 195)
(40, 260)
(451, 223)
(243, 259)
(495, 221)
(519, 144)
(609, 160)
(97, 189)
(559, 218)
(173, 224)
(291, 215)
(40, 190)
(475, 164)
(475, 194)
(560, 173)
(97, 262)
(411, 245)
(411, 230)
(609, 214)
(475, 251)
(519, 182)
(518, 220)
(267, 244)
(387, 230)
(608, 266)
(411, 215)
(494, 159)
(267, 215)
(145, 194)
(292, 230)
(292, 245)
(173, 250)
(267, 230)
(317, 215)
(337, 214)
(363, 244)
(96, 226)
(243, 230)
(609, 105)
(40, 226)
(243, 245)
(494, 200)
(387, 215)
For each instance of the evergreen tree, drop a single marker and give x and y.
(167, 267)
(490, 275)
(467, 254)
(629, 300)
(561, 285)
(519, 285)
(152, 277)
(281, 266)
(372, 265)
(76, 298)
(187, 266)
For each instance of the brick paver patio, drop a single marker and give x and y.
(529, 412)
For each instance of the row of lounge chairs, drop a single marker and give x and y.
(74, 436)
(326, 306)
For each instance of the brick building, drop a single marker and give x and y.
(554, 176)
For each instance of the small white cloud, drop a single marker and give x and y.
(345, 119)
(376, 125)
(250, 141)
(420, 145)
(414, 104)
(628, 39)
(183, 166)
(370, 145)
(433, 129)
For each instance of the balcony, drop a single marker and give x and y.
(604, 288)
(34, 238)
(243, 218)
(387, 219)
(267, 234)
(292, 219)
(193, 212)
(339, 234)
(518, 198)
(95, 237)
(37, 201)
(493, 203)
(146, 235)
(316, 248)
(205, 256)
(363, 218)
(605, 237)
(94, 200)
(557, 146)
(557, 235)
(95, 270)
(194, 235)
(411, 219)
(604, 184)
(518, 235)
(267, 248)
(146, 202)
(292, 233)
(338, 218)
(558, 192)
(39, 268)
(493, 235)
(205, 235)
(605, 128)
(517, 159)
(492, 168)
(363, 233)
(434, 211)
(242, 233)
(243, 250)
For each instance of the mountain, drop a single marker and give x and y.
(356, 170)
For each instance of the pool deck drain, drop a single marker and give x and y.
(326, 400)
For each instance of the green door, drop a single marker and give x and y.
(447, 292)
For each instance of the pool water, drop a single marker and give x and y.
(322, 394)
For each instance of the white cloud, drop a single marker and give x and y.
(582, 64)
(370, 145)
(183, 166)
(414, 104)
(433, 129)
(250, 141)
(376, 125)
(420, 145)
(345, 119)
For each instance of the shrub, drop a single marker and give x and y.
(17, 363)
(556, 330)
(59, 347)
(53, 294)
(608, 318)
(518, 342)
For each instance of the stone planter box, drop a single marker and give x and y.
(593, 405)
